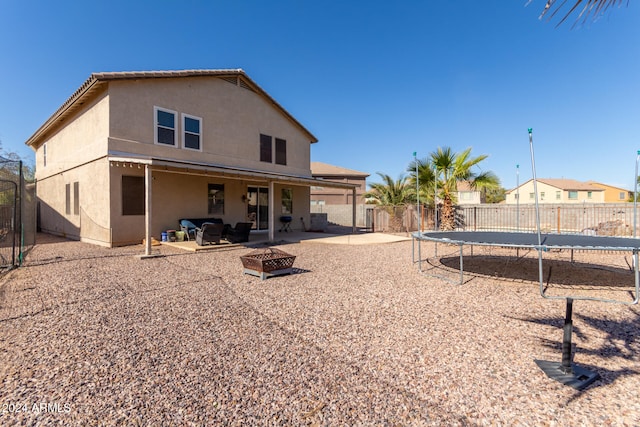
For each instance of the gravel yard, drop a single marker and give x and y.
(356, 336)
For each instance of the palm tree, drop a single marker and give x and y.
(426, 180)
(450, 168)
(589, 7)
(390, 192)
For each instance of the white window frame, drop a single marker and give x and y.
(155, 126)
(184, 131)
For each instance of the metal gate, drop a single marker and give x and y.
(8, 220)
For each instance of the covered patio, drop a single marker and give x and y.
(159, 166)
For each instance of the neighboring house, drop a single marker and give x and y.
(325, 195)
(556, 191)
(130, 153)
(613, 194)
(467, 195)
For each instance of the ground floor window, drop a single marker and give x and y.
(216, 199)
(133, 195)
(287, 200)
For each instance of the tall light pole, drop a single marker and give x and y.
(517, 197)
(417, 191)
(635, 195)
(435, 196)
(535, 191)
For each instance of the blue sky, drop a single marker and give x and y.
(374, 81)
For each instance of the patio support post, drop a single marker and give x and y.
(272, 213)
(147, 209)
(353, 210)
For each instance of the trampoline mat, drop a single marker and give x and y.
(530, 240)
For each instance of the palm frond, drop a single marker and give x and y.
(593, 8)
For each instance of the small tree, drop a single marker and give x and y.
(389, 192)
(450, 168)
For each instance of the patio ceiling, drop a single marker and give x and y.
(205, 169)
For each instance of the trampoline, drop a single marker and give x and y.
(530, 241)
(566, 372)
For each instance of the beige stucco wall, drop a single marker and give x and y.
(469, 198)
(549, 195)
(76, 152)
(176, 196)
(121, 120)
(82, 140)
(91, 221)
(232, 120)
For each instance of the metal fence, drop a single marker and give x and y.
(17, 212)
(604, 219)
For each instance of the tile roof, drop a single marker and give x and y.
(563, 184)
(569, 184)
(97, 81)
(319, 168)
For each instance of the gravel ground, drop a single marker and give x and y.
(356, 336)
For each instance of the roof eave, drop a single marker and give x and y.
(96, 79)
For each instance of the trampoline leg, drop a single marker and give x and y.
(461, 267)
(413, 250)
(566, 338)
(568, 373)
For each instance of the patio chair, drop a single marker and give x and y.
(239, 233)
(209, 233)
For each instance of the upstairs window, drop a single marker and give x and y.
(621, 195)
(265, 148)
(191, 132)
(573, 195)
(558, 195)
(281, 151)
(165, 126)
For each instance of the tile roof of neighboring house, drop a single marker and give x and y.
(608, 186)
(318, 168)
(97, 81)
(564, 184)
(569, 184)
(464, 186)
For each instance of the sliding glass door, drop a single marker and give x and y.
(258, 207)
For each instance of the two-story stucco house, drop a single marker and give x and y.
(551, 190)
(466, 195)
(130, 153)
